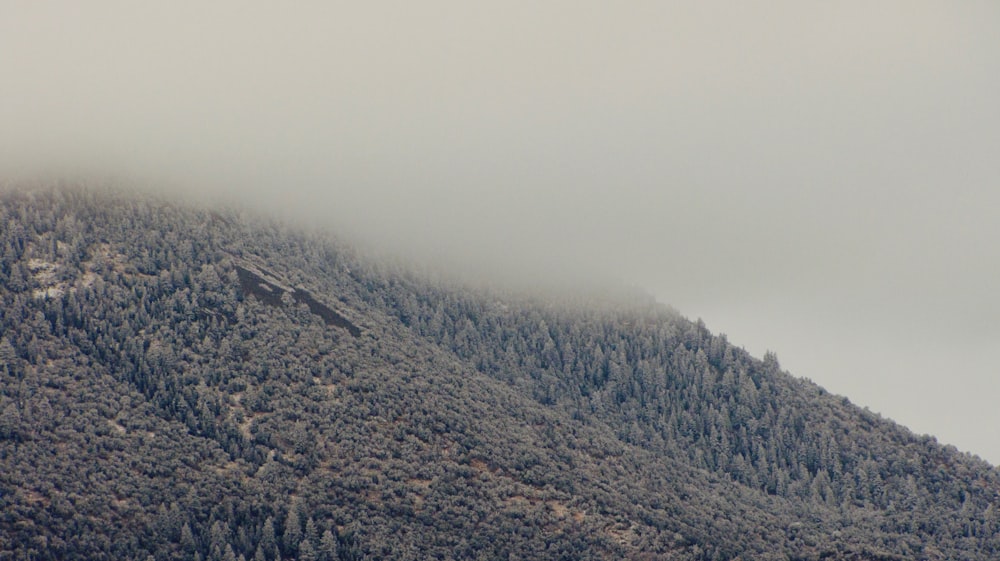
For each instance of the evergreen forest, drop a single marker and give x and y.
(180, 382)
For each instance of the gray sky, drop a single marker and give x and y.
(818, 179)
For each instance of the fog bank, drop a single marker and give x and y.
(815, 179)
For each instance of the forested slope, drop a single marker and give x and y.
(180, 383)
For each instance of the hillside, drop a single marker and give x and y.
(181, 383)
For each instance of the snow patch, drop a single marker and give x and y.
(44, 273)
(48, 292)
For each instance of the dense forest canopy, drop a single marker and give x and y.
(182, 383)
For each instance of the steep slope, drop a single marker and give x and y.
(178, 382)
(672, 387)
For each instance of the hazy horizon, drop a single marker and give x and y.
(816, 180)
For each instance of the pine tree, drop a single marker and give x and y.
(306, 551)
(312, 531)
(268, 541)
(187, 538)
(293, 530)
(328, 546)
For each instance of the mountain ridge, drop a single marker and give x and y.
(457, 423)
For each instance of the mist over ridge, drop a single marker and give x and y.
(814, 180)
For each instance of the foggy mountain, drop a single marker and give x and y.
(816, 179)
(179, 382)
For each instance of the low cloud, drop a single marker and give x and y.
(788, 168)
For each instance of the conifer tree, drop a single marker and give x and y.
(292, 535)
(328, 546)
